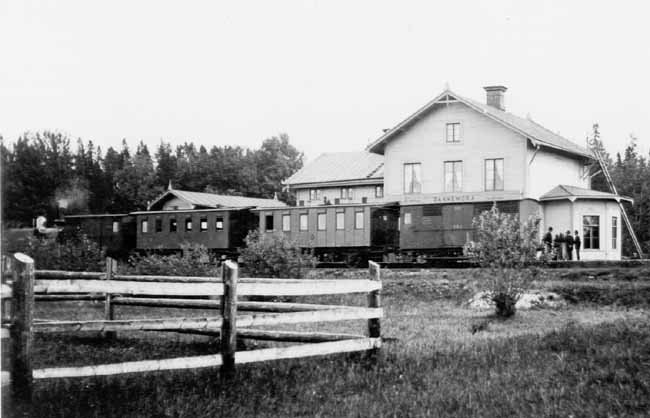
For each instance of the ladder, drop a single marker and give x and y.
(603, 167)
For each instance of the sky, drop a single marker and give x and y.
(330, 74)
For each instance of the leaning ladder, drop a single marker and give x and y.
(603, 167)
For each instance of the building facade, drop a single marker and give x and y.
(455, 156)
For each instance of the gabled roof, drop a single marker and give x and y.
(537, 134)
(573, 193)
(339, 167)
(211, 200)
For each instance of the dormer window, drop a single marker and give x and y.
(453, 132)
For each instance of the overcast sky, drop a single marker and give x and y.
(330, 74)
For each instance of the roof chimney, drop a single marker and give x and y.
(495, 96)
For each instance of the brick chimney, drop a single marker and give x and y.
(495, 96)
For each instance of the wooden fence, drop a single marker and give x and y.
(29, 286)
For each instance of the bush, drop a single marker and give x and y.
(195, 260)
(77, 253)
(508, 252)
(274, 256)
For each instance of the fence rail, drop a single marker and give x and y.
(234, 319)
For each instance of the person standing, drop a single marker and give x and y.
(562, 241)
(548, 240)
(569, 245)
(576, 243)
(556, 248)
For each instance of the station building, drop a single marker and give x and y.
(453, 158)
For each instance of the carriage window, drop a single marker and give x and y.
(412, 179)
(321, 221)
(303, 221)
(347, 193)
(116, 226)
(591, 232)
(158, 225)
(494, 174)
(204, 224)
(145, 226)
(358, 220)
(188, 224)
(340, 220)
(407, 218)
(218, 224)
(379, 191)
(614, 231)
(314, 194)
(286, 223)
(172, 225)
(269, 222)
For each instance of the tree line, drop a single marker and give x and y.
(42, 174)
(630, 174)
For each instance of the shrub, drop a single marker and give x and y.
(508, 251)
(274, 256)
(195, 260)
(76, 253)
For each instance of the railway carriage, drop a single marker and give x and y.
(115, 232)
(351, 233)
(221, 230)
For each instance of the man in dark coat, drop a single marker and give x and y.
(576, 243)
(569, 245)
(548, 240)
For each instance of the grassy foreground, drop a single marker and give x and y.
(586, 360)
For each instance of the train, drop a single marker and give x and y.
(338, 233)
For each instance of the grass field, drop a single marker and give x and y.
(589, 359)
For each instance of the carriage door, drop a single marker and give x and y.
(457, 221)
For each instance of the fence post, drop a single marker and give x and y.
(21, 327)
(374, 301)
(229, 274)
(108, 306)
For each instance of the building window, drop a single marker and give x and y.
(494, 174)
(303, 222)
(453, 176)
(591, 232)
(268, 221)
(614, 231)
(172, 225)
(158, 225)
(314, 194)
(144, 226)
(453, 132)
(116, 226)
(379, 191)
(218, 223)
(347, 193)
(407, 218)
(412, 178)
(203, 226)
(286, 223)
(340, 220)
(358, 220)
(188, 224)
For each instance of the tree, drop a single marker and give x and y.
(507, 250)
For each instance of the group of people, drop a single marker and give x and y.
(562, 245)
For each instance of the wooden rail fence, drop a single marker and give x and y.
(235, 318)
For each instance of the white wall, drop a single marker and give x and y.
(335, 193)
(481, 138)
(549, 169)
(565, 215)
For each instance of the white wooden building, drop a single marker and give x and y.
(455, 150)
